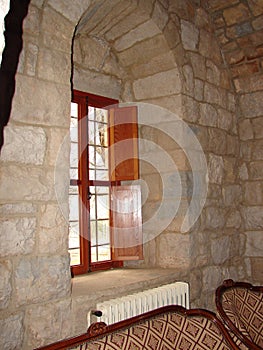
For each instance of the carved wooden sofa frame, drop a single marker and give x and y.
(167, 328)
(240, 307)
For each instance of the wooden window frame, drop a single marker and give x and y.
(84, 100)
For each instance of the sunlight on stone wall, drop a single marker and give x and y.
(4, 8)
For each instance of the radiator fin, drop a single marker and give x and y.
(115, 310)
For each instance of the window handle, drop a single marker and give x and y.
(89, 195)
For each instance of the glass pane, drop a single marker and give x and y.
(102, 175)
(73, 190)
(74, 256)
(94, 254)
(101, 158)
(74, 173)
(92, 204)
(73, 207)
(103, 232)
(91, 111)
(93, 235)
(102, 190)
(74, 130)
(91, 136)
(103, 207)
(74, 234)
(74, 110)
(92, 158)
(104, 253)
(101, 115)
(101, 138)
(74, 155)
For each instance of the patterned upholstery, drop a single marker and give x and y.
(241, 307)
(166, 332)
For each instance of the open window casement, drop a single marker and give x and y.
(126, 217)
(126, 230)
(123, 140)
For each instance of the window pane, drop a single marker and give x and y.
(103, 232)
(93, 233)
(104, 253)
(74, 173)
(94, 257)
(103, 207)
(74, 256)
(92, 210)
(74, 234)
(102, 175)
(74, 155)
(73, 207)
(74, 130)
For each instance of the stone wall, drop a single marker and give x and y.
(239, 28)
(162, 53)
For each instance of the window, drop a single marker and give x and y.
(105, 216)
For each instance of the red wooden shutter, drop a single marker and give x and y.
(123, 140)
(126, 221)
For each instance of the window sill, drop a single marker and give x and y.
(117, 282)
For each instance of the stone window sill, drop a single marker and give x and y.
(114, 283)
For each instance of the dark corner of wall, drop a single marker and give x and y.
(10, 57)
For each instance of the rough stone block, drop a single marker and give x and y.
(32, 20)
(28, 183)
(226, 119)
(220, 250)
(30, 63)
(18, 236)
(253, 218)
(252, 104)
(48, 323)
(50, 105)
(160, 63)
(212, 73)
(208, 115)
(54, 66)
(143, 51)
(232, 195)
(127, 23)
(17, 208)
(12, 332)
(176, 247)
(236, 14)
(70, 10)
(141, 32)
(256, 170)
(198, 64)
(246, 130)
(98, 83)
(58, 30)
(215, 169)
(257, 124)
(254, 243)
(5, 283)
(41, 278)
(234, 220)
(25, 145)
(214, 218)
(212, 277)
(53, 230)
(190, 35)
(160, 84)
(253, 193)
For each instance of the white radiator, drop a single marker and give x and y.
(115, 310)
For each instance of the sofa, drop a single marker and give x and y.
(240, 307)
(166, 328)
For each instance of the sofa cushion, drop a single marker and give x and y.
(240, 306)
(167, 332)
